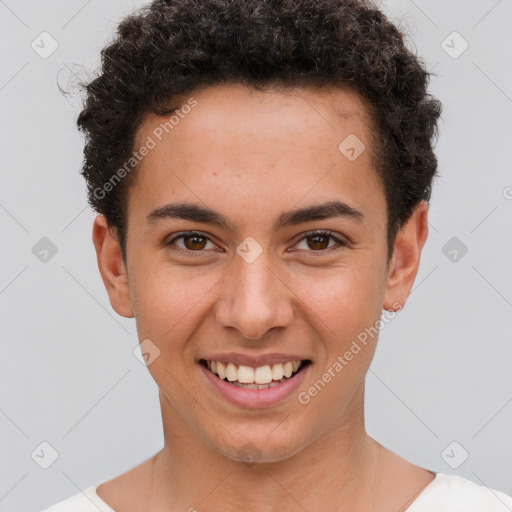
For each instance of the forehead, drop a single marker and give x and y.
(228, 107)
(241, 148)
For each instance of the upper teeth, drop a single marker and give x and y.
(249, 375)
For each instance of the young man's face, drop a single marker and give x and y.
(260, 288)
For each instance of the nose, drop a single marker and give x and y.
(254, 298)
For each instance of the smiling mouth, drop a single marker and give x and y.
(261, 377)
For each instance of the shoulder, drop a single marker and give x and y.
(129, 491)
(450, 493)
(86, 501)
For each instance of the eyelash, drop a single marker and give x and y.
(316, 232)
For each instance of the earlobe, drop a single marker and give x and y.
(405, 262)
(111, 266)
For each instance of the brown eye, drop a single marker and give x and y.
(318, 242)
(194, 242)
(191, 242)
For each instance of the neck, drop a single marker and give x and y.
(336, 471)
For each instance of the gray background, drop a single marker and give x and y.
(69, 375)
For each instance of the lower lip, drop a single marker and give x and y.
(255, 398)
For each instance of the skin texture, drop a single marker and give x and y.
(251, 156)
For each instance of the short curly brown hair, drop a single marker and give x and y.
(171, 48)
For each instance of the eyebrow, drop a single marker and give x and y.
(197, 213)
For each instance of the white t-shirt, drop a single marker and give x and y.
(446, 493)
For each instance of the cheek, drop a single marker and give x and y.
(165, 302)
(344, 300)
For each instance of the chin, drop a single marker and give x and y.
(260, 449)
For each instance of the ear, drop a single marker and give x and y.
(405, 261)
(111, 266)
